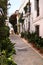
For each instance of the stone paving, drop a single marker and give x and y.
(25, 55)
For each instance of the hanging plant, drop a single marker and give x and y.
(25, 8)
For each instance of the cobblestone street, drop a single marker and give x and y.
(25, 55)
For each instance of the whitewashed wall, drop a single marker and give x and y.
(37, 20)
(34, 20)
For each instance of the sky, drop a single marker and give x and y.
(15, 5)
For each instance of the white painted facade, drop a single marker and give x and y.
(34, 19)
(21, 9)
(37, 20)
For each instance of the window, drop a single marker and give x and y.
(37, 29)
(29, 8)
(37, 6)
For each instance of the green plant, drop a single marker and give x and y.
(4, 32)
(21, 20)
(22, 34)
(8, 47)
(25, 8)
(10, 62)
(33, 38)
(6, 61)
(25, 35)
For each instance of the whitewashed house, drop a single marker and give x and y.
(26, 10)
(37, 17)
(25, 17)
(34, 21)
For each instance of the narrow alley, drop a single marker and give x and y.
(25, 55)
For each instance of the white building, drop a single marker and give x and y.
(36, 16)
(21, 10)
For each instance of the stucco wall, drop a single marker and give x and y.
(40, 23)
(34, 20)
(41, 7)
(37, 20)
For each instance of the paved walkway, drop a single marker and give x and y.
(25, 55)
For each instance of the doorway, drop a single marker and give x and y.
(37, 29)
